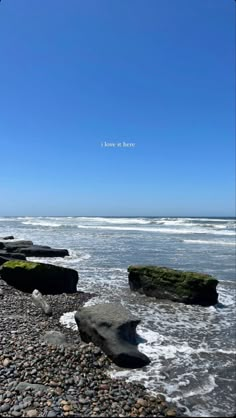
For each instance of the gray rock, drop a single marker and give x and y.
(111, 327)
(52, 414)
(5, 407)
(40, 302)
(35, 387)
(54, 338)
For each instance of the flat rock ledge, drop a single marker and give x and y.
(111, 327)
(47, 278)
(28, 249)
(176, 285)
(42, 379)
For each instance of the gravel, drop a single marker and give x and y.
(41, 379)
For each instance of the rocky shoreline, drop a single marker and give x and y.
(68, 380)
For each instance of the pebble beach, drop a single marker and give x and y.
(41, 379)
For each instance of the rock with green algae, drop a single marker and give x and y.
(47, 278)
(176, 285)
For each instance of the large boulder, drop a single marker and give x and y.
(111, 327)
(176, 285)
(48, 279)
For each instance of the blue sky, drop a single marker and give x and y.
(156, 73)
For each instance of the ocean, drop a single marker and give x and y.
(192, 348)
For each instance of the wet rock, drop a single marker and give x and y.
(176, 285)
(113, 328)
(43, 251)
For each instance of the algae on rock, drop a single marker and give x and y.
(176, 285)
(47, 278)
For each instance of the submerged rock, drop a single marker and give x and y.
(176, 285)
(111, 327)
(47, 278)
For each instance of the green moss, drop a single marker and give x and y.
(170, 276)
(178, 285)
(28, 265)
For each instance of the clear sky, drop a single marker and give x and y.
(79, 73)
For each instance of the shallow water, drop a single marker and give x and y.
(192, 348)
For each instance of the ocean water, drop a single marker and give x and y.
(192, 348)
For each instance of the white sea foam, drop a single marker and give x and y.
(68, 320)
(73, 259)
(161, 230)
(216, 242)
(115, 220)
(41, 223)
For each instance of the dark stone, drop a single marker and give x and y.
(4, 256)
(111, 327)
(37, 250)
(48, 279)
(8, 237)
(15, 244)
(43, 251)
(176, 285)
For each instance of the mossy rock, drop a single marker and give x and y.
(47, 278)
(179, 286)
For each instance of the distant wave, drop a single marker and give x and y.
(116, 220)
(165, 225)
(42, 223)
(199, 241)
(151, 229)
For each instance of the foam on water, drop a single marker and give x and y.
(68, 320)
(161, 230)
(41, 223)
(208, 242)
